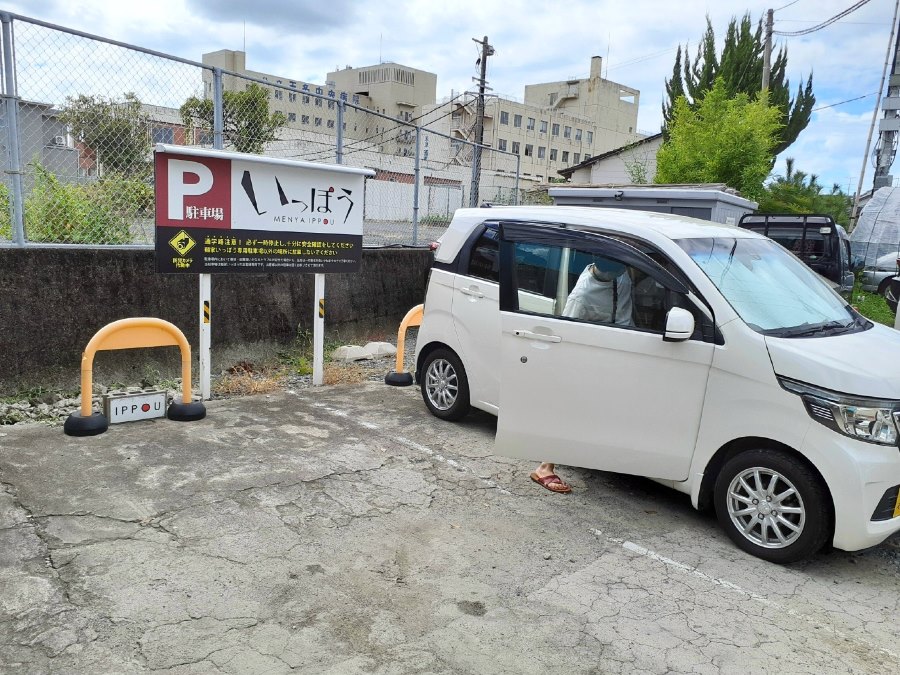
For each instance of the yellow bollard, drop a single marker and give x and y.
(398, 378)
(132, 334)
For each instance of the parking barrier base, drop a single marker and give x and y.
(186, 412)
(80, 425)
(396, 379)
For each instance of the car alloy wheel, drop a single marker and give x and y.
(445, 388)
(441, 384)
(766, 507)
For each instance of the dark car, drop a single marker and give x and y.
(814, 238)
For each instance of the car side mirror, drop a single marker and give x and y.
(679, 325)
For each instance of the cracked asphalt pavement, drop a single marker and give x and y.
(345, 530)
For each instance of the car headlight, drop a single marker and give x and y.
(866, 419)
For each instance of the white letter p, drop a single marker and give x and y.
(178, 189)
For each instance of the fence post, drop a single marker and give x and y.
(11, 98)
(416, 176)
(518, 166)
(218, 110)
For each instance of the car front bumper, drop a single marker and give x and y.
(858, 476)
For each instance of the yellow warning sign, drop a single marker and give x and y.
(182, 242)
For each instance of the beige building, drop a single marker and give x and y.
(390, 89)
(559, 125)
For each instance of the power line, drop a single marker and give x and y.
(849, 100)
(824, 24)
(786, 6)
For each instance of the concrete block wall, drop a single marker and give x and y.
(52, 301)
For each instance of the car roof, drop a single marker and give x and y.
(625, 221)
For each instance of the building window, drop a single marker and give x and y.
(304, 119)
(552, 154)
(318, 121)
(204, 137)
(279, 94)
(515, 147)
(529, 149)
(542, 152)
(292, 97)
(504, 117)
(578, 134)
(565, 157)
(501, 144)
(567, 132)
(555, 130)
(331, 124)
(530, 125)
(576, 158)
(543, 126)
(517, 121)
(590, 137)
(319, 102)
(331, 105)
(292, 117)
(306, 99)
(163, 135)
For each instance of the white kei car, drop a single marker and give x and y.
(732, 372)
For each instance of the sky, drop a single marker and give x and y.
(534, 42)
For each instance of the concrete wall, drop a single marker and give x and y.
(52, 301)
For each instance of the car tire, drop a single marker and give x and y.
(883, 287)
(794, 521)
(445, 387)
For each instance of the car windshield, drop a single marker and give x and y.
(772, 291)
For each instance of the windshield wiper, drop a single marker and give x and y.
(807, 330)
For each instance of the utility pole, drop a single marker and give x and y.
(889, 126)
(486, 51)
(767, 52)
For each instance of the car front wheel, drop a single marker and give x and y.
(773, 506)
(445, 388)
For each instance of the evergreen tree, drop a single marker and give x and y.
(740, 67)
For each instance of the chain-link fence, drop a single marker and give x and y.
(81, 114)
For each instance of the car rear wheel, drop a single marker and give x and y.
(884, 286)
(445, 388)
(773, 506)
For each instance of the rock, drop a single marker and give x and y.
(380, 349)
(350, 353)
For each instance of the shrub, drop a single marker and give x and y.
(5, 220)
(98, 212)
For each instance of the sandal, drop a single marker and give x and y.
(552, 482)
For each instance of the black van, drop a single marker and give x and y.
(814, 238)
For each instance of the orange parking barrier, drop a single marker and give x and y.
(132, 334)
(398, 378)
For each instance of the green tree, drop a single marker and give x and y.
(797, 192)
(740, 66)
(724, 139)
(116, 131)
(247, 123)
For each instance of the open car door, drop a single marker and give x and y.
(612, 391)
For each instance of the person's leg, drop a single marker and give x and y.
(545, 475)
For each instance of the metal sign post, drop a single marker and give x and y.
(319, 331)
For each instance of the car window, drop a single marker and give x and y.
(584, 286)
(484, 261)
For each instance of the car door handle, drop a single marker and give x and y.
(529, 335)
(471, 292)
